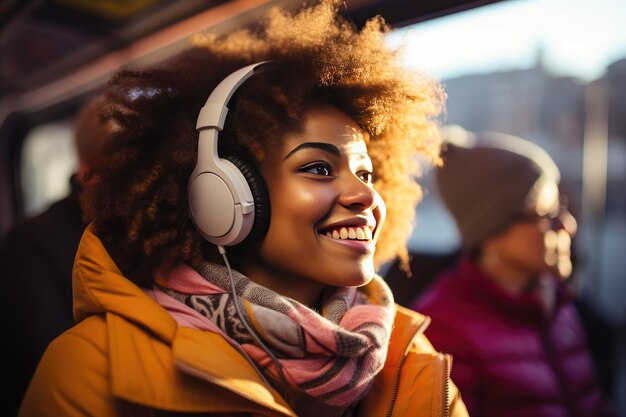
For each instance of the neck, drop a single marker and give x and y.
(301, 289)
(507, 275)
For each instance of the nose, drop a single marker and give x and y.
(357, 195)
(565, 221)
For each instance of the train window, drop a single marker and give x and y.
(553, 72)
(48, 161)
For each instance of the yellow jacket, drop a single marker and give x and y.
(128, 357)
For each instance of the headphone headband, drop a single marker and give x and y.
(213, 114)
(222, 200)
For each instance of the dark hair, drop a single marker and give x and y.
(137, 192)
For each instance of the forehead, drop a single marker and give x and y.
(328, 125)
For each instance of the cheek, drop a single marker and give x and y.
(296, 205)
(526, 241)
(541, 248)
(535, 240)
(304, 201)
(295, 213)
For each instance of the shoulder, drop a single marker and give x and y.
(62, 217)
(73, 374)
(405, 316)
(452, 295)
(80, 351)
(418, 345)
(443, 331)
(54, 233)
(83, 346)
(444, 285)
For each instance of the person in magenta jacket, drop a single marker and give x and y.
(504, 312)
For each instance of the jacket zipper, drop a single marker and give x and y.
(447, 360)
(440, 403)
(396, 386)
(396, 383)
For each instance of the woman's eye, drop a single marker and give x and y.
(365, 176)
(320, 168)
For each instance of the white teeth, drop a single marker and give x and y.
(353, 233)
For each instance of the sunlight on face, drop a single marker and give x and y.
(555, 224)
(325, 213)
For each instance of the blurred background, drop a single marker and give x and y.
(554, 72)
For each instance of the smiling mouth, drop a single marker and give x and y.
(361, 233)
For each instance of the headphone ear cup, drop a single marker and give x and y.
(262, 211)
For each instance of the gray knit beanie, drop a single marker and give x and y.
(488, 178)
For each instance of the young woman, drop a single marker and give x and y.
(181, 308)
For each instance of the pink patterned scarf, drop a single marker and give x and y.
(329, 359)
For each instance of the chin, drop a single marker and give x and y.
(359, 277)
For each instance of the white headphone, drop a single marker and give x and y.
(226, 196)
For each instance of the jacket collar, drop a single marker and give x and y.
(523, 306)
(408, 325)
(142, 338)
(99, 287)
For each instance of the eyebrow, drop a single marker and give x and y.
(327, 147)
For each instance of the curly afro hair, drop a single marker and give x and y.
(136, 194)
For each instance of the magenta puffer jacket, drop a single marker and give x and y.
(510, 358)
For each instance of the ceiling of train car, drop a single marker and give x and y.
(44, 40)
